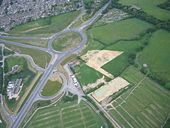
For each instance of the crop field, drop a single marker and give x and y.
(121, 30)
(40, 58)
(65, 115)
(150, 7)
(156, 55)
(46, 26)
(38, 42)
(51, 88)
(67, 41)
(145, 105)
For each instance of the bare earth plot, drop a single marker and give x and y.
(146, 105)
(111, 87)
(97, 58)
(65, 115)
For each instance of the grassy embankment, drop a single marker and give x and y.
(51, 88)
(66, 41)
(40, 58)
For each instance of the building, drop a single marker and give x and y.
(15, 68)
(75, 82)
(14, 88)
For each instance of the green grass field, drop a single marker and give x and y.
(42, 59)
(26, 74)
(117, 65)
(86, 74)
(66, 41)
(51, 88)
(38, 42)
(121, 30)
(156, 55)
(150, 7)
(145, 105)
(65, 115)
(46, 26)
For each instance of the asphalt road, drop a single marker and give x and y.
(34, 96)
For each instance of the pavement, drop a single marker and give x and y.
(57, 58)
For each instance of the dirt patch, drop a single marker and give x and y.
(55, 77)
(108, 89)
(97, 58)
(32, 29)
(93, 85)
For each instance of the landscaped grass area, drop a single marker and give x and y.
(25, 73)
(145, 105)
(38, 42)
(86, 74)
(45, 26)
(150, 7)
(66, 41)
(121, 30)
(156, 55)
(40, 58)
(66, 115)
(51, 88)
(3, 123)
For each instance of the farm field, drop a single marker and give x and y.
(156, 55)
(51, 88)
(145, 105)
(66, 42)
(46, 26)
(117, 65)
(65, 115)
(40, 58)
(122, 30)
(26, 74)
(128, 47)
(38, 42)
(150, 7)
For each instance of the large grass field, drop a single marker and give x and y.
(121, 30)
(51, 88)
(156, 55)
(65, 115)
(26, 74)
(150, 7)
(67, 41)
(86, 74)
(145, 105)
(46, 26)
(119, 64)
(40, 58)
